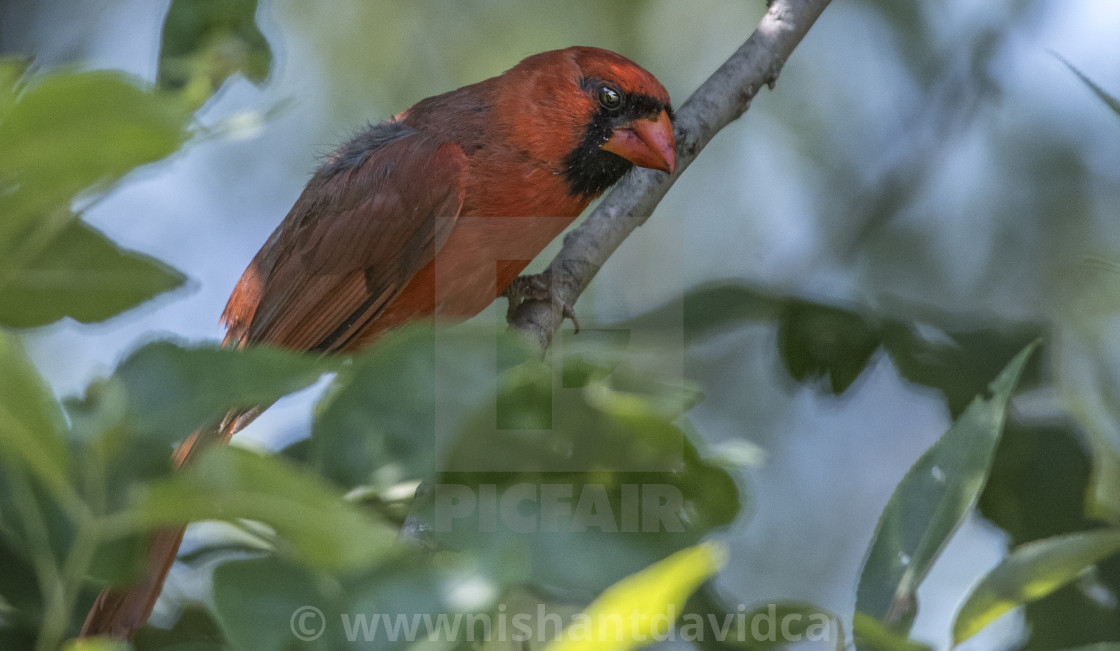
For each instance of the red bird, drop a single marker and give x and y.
(434, 212)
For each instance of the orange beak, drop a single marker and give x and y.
(646, 143)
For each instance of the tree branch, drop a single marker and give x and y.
(725, 96)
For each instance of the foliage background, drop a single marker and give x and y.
(932, 162)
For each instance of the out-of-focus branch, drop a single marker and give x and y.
(725, 96)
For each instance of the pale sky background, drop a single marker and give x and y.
(754, 206)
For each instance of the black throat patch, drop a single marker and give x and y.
(589, 169)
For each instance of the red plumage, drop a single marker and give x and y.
(431, 213)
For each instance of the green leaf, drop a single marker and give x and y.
(872, 635)
(592, 355)
(381, 414)
(20, 589)
(710, 309)
(784, 622)
(78, 129)
(817, 341)
(12, 70)
(196, 629)
(576, 530)
(265, 603)
(614, 478)
(1031, 572)
(713, 308)
(205, 42)
(227, 483)
(637, 609)
(31, 423)
(67, 132)
(959, 362)
(273, 603)
(95, 644)
(773, 624)
(1111, 101)
(167, 391)
(929, 504)
(83, 275)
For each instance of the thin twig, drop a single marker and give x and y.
(725, 96)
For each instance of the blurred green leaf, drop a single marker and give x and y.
(581, 530)
(67, 132)
(1110, 101)
(1038, 488)
(612, 486)
(31, 423)
(637, 610)
(591, 355)
(205, 42)
(623, 422)
(789, 622)
(264, 603)
(817, 341)
(95, 644)
(872, 635)
(166, 391)
(1030, 572)
(227, 483)
(12, 70)
(196, 629)
(959, 362)
(773, 624)
(710, 309)
(380, 412)
(1037, 485)
(76, 129)
(18, 637)
(929, 504)
(20, 588)
(273, 603)
(83, 275)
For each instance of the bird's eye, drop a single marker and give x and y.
(609, 98)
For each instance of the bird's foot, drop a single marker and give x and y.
(537, 287)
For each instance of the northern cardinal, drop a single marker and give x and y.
(435, 211)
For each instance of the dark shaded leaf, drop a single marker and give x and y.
(959, 363)
(817, 342)
(19, 589)
(205, 42)
(710, 309)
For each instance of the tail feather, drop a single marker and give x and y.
(120, 612)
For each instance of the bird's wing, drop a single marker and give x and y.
(373, 215)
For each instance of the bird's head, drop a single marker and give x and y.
(590, 113)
